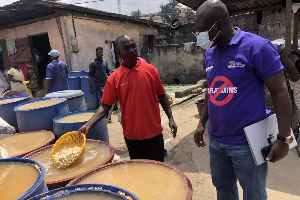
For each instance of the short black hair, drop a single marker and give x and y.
(118, 40)
(99, 48)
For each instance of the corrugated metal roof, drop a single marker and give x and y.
(26, 11)
(240, 6)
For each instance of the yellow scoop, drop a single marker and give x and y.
(25, 82)
(68, 149)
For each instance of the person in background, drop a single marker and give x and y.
(16, 77)
(238, 67)
(99, 72)
(4, 83)
(56, 73)
(138, 88)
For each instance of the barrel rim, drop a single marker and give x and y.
(109, 159)
(86, 188)
(26, 96)
(69, 96)
(74, 77)
(37, 165)
(71, 113)
(188, 183)
(51, 139)
(43, 99)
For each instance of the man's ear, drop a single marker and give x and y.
(118, 51)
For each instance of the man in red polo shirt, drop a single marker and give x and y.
(137, 86)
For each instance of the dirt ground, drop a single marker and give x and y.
(283, 177)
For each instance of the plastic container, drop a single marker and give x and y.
(56, 178)
(98, 131)
(76, 101)
(91, 100)
(40, 118)
(40, 186)
(87, 73)
(97, 189)
(76, 73)
(17, 142)
(138, 177)
(7, 112)
(74, 83)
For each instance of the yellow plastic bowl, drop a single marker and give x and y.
(69, 140)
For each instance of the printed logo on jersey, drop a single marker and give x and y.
(233, 64)
(221, 91)
(209, 68)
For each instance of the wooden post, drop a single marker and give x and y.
(295, 39)
(288, 12)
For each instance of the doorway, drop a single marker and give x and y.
(41, 48)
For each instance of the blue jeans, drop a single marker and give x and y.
(229, 162)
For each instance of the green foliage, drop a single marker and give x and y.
(169, 11)
(190, 14)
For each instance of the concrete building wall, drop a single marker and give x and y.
(92, 33)
(173, 63)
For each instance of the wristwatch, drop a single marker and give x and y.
(288, 140)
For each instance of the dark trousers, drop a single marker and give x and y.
(151, 149)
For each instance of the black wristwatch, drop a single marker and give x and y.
(288, 140)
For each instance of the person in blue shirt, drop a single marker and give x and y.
(238, 67)
(56, 73)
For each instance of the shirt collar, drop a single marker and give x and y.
(237, 37)
(136, 67)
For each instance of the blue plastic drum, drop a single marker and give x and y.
(76, 101)
(76, 73)
(87, 73)
(39, 187)
(33, 118)
(74, 83)
(73, 121)
(91, 100)
(7, 105)
(77, 191)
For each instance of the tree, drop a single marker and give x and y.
(169, 11)
(190, 15)
(136, 14)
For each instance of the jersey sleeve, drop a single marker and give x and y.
(267, 61)
(49, 74)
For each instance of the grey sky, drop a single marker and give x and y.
(145, 6)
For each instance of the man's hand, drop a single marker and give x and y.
(198, 135)
(85, 129)
(173, 127)
(278, 151)
(91, 90)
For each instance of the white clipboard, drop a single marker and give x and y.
(258, 133)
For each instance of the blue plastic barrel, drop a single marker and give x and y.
(91, 100)
(76, 101)
(39, 187)
(40, 118)
(98, 131)
(74, 83)
(76, 73)
(97, 189)
(7, 112)
(87, 72)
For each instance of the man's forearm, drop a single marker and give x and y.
(101, 112)
(204, 114)
(91, 82)
(49, 83)
(283, 111)
(164, 102)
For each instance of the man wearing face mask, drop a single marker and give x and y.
(137, 86)
(238, 67)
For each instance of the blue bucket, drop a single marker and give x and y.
(97, 189)
(97, 132)
(7, 112)
(76, 101)
(76, 73)
(87, 73)
(91, 100)
(74, 83)
(40, 118)
(40, 186)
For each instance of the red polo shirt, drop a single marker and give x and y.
(137, 90)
